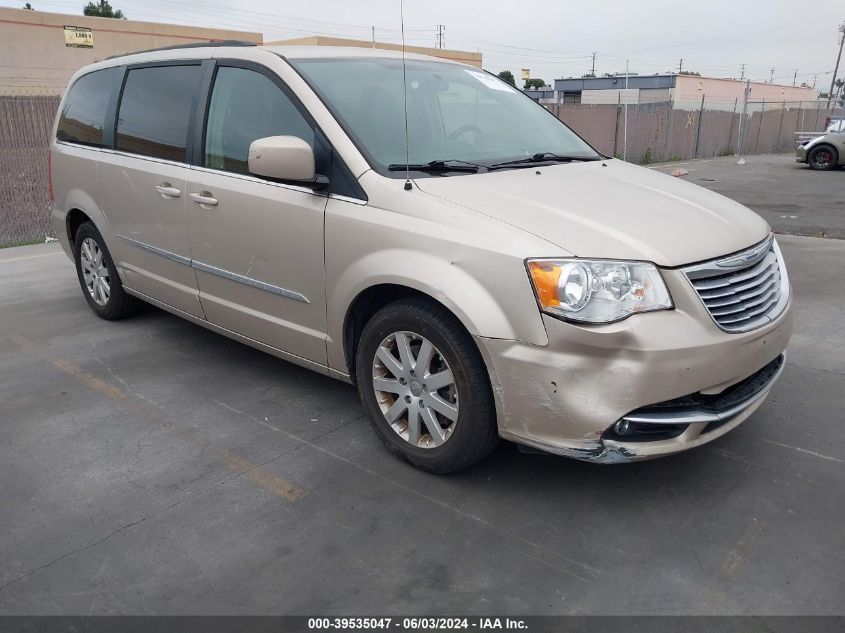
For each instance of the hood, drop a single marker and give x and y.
(617, 211)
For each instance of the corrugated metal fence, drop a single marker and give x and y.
(654, 132)
(661, 132)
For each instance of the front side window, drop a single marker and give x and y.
(455, 113)
(83, 116)
(155, 111)
(245, 106)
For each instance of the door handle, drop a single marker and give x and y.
(168, 191)
(205, 199)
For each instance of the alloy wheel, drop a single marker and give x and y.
(822, 159)
(94, 271)
(415, 389)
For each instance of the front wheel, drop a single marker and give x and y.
(822, 158)
(425, 386)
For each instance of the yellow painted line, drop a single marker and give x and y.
(20, 259)
(256, 473)
(261, 477)
(744, 549)
(90, 380)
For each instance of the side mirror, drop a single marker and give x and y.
(284, 158)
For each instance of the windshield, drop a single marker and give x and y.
(455, 113)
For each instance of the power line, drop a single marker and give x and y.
(262, 20)
(581, 54)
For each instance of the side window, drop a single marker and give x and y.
(245, 106)
(155, 110)
(84, 113)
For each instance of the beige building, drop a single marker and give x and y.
(689, 89)
(465, 57)
(39, 51)
(685, 92)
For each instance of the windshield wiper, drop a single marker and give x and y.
(438, 165)
(543, 157)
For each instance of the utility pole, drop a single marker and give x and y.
(742, 72)
(815, 76)
(836, 69)
(680, 65)
(374, 35)
(794, 77)
(745, 93)
(593, 71)
(440, 29)
(625, 137)
(771, 75)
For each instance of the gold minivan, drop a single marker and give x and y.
(424, 231)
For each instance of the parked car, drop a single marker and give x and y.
(823, 152)
(834, 124)
(473, 266)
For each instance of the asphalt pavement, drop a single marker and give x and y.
(793, 198)
(150, 466)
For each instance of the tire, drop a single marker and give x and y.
(90, 248)
(822, 158)
(472, 434)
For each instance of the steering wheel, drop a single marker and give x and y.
(464, 129)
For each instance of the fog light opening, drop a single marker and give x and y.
(622, 427)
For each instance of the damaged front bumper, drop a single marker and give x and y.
(679, 379)
(676, 425)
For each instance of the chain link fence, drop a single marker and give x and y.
(25, 125)
(647, 133)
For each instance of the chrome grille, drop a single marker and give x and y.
(743, 291)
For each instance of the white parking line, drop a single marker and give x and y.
(804, 450)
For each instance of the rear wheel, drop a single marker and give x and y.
(823, 157)
(425, 386)
(98, 276)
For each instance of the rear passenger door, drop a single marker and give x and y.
(257, 245)
(143, 182)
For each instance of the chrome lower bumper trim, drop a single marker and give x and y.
(618, 450)
(693, 416)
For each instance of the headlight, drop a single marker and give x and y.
(597, 291)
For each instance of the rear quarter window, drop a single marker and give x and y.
(85, 109)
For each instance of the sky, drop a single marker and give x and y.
(554, 38)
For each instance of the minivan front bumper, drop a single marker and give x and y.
(566, 397)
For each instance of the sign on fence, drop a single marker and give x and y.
(79, 37)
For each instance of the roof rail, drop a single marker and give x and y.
(210, 43)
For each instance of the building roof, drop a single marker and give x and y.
(335, 52)
(466, 57)
(657, 80)
(616, 82)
